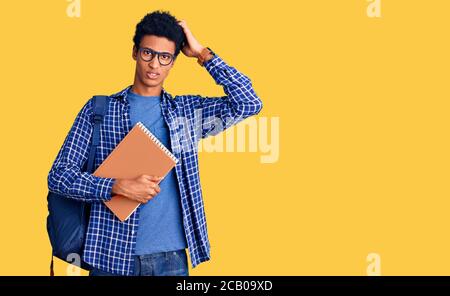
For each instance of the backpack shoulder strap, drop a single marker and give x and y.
(100, 104)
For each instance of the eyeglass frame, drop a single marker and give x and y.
(156, 53)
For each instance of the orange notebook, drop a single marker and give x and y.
(139, 152)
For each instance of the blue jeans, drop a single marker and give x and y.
(172, 263)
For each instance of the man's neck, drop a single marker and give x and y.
(146, 91)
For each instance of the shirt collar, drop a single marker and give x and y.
(122, 95)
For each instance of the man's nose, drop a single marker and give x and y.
(154, 63)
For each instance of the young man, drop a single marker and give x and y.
(154, 239)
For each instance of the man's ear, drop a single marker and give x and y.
(175, 59)
(134, 53)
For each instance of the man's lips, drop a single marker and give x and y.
(152, 75)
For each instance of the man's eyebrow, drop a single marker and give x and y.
(144, 47)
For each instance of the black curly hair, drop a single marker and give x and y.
(161, 24)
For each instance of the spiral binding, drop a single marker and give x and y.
(157, 142)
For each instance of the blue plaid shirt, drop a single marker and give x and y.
(110, 243)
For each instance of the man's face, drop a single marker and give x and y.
(145, 70)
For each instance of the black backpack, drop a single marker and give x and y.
(68, 218)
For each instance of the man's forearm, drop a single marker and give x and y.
(79, 185)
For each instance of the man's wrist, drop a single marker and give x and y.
(205, 55)
(116, 188)
(199, 52)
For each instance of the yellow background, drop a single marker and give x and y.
(363, 106)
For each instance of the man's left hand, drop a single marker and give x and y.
(192, 48)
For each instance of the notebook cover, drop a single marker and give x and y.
(139, 152)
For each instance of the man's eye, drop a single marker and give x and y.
(165, 56)
(147, 52)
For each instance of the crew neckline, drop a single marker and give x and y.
(140, 96)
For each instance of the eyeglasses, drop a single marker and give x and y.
(164, 58)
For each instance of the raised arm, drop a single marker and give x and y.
(219, 113)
